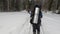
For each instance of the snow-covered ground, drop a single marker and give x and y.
(18, 23)
(51, 23)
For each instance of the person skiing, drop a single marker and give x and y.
(36, 16)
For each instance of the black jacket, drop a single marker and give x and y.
(39, 16)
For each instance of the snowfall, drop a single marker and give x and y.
(19, 23)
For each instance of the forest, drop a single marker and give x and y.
(18, 5)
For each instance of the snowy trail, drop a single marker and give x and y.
(51, 24)
(18, 23)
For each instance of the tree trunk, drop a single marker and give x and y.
(5, 5)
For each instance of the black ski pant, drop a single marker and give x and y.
(36, 27)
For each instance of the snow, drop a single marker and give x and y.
(10, 22)
(18, 23)
(51, 23)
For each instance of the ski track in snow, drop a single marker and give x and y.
(18, 23)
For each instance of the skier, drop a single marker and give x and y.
(36, 16)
